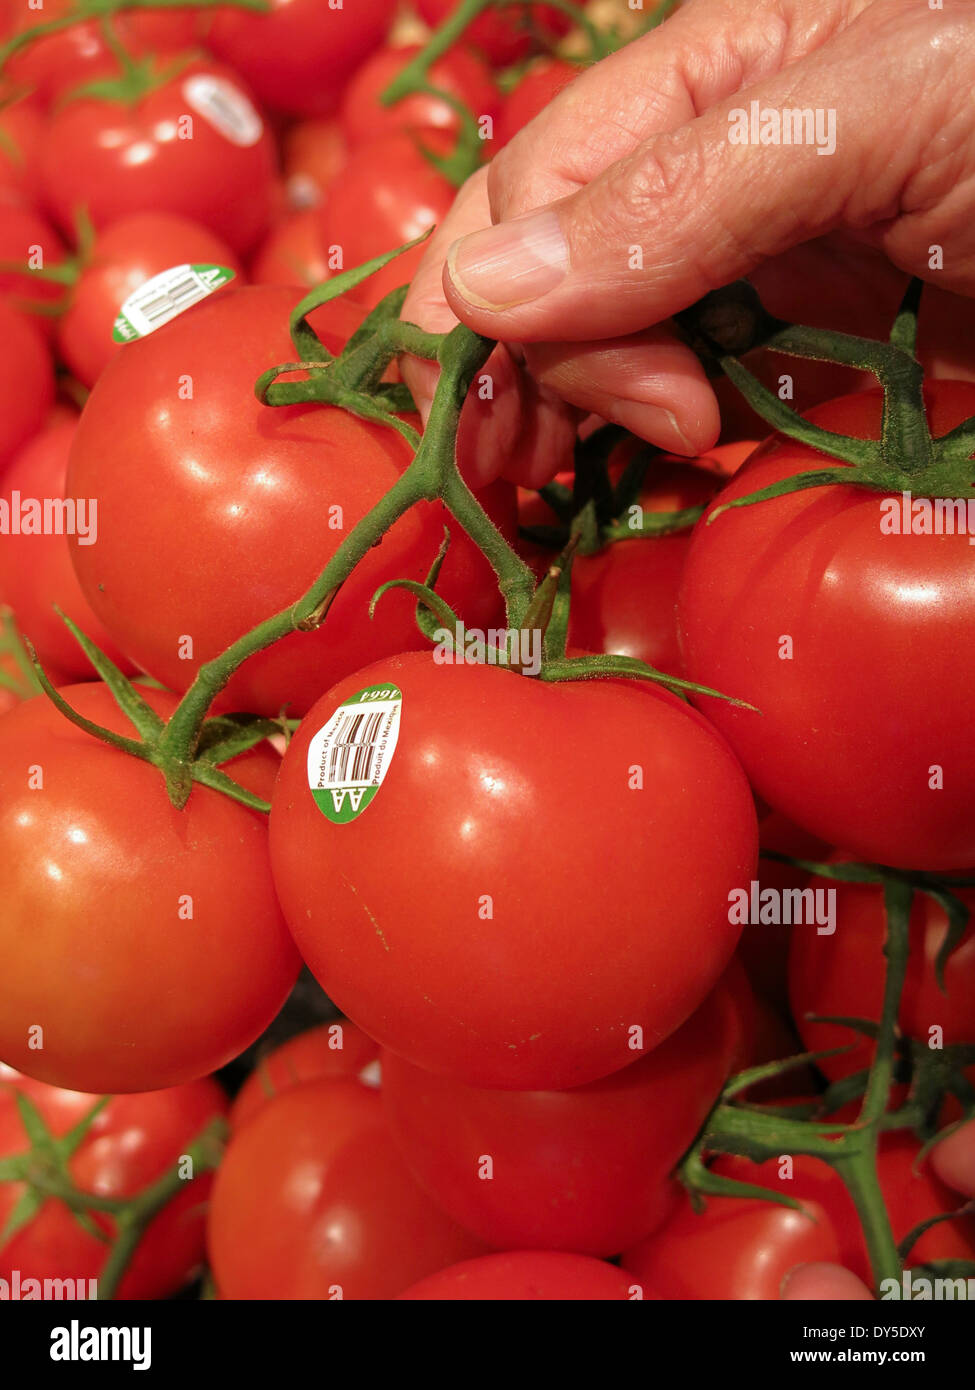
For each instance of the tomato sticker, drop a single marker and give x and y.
(166, 295)
(349, 757)
(225, 107)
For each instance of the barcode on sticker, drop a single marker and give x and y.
(166, 295)
(225, 107)
(348, 758)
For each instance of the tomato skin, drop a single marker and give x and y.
(387, 195)
(100, 846)
(585, 1170)
(310, 1056)
(25, 234)
(459, 72)
(503, 36)
(738, 1248)
(124, 257)
(26, 381)
(117, 160)
(871, 616)
(312, 153)
(842, 976)
(298, 57)
(541, 84)
(258, 483)
(131, 1144)
(525, 1276)
(36, 571)
(313, 1202)
(21, 132)
(427, 977)
(293, 253)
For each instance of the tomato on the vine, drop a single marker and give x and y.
(26, 381)
(503, 35)
(459, 73)
(293, 252)
(526, 1276)
(28, 242)
(541, 84)
(492, 977)
(331, 1052)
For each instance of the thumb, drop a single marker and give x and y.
(692, 209)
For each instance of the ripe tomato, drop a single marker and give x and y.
(312, 153)
(312, 1201)
(194, 146)
(459, 72)
(144, 941)
(331, 1052)
(132, 1143)
(27, 239)
(584, 1170)
(738, 1248)
(842, 976)
(525, 1276)
(503, 35)
(124, 257)
(271, 494)
(541, 84)
(293, 252)
(21, 128)
(26, 381)
(838, 633)
(492, 978)
(35, 568)
(298, 57)
(387, 194)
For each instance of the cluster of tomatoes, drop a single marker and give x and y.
(517, 891)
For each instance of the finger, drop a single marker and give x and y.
(953, 1159)
(823, 1282)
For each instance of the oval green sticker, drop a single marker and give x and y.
(349, 756)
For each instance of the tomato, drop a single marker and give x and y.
(911, 1191)
(584, 1170)
(866, 715)
(313, 1202)
(229, 487)
(541, 84)
(738, 1248)
(503, 35)
(124, 257)
(526, 1276)
(491, 977)
(842, 976)
(27, 239)
(293, 252)
(331, 1052)
(459, 73)
(21, 129)
(26, 381)
(388, 194)
(35, 568)
(63, 61)
(132, 1143)
(312, 153)
(145, 942)
(299, 57)
(194, 146)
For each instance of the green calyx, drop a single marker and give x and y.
(728, 323)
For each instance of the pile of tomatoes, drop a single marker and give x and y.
(536, 989)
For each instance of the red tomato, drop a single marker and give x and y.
(332, 1052)
(299, 57)
(98, 876)
(459, 72)
(462, 980)
(842, 975)
(26, 381)
(526, 1276)
(27, 239)
(503, 35)
(584, 1170)
(61, 62)
(738, 1248)
(21, 131)
(541, 84)
(388, 194)
(262, 487)
(293, 253)
(313, 1202)
(35, 568)
(125, 256)
(131, 1144)
(195, 146)
(870, 617)
(312, 153)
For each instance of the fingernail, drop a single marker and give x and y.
(510, 264)
(655, 424)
